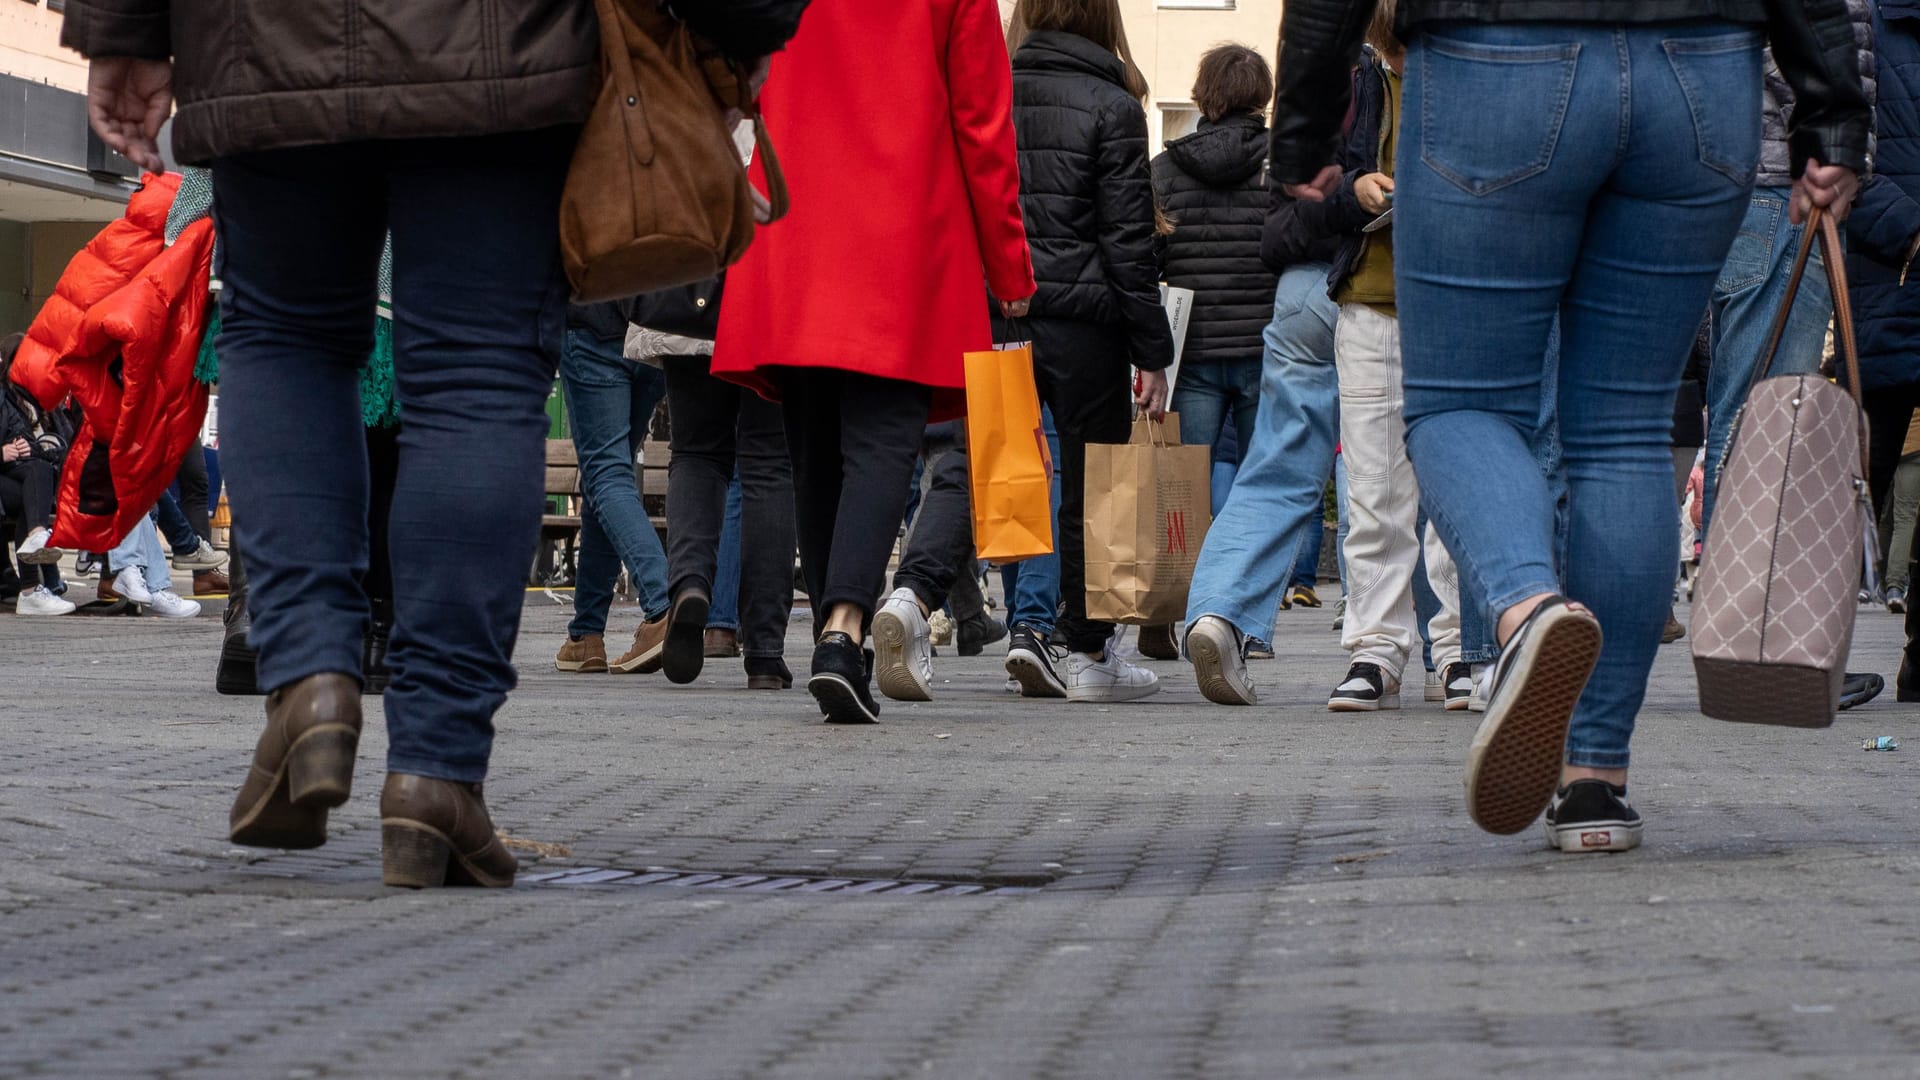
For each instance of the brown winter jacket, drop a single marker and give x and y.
(272, 73)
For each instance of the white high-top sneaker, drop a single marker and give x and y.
(903, 649)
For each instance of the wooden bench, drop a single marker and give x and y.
(556, 563)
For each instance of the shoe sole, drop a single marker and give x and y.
(1109, 695)
(839, 702)
(645, 664)
(415, 855)
(44, 556)
(684, 652)
(1514, 764)
(175, 614)
(239, 671)
(1594, 836)
(576, 667)
(1034, 680)
(891, 670)
(1386, 703)
(1210, 671)
(1458, 704)
(315, 777)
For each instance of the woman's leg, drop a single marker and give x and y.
(812, 422)
(881, 421)
(1085, 383)
(766, 526)
(479, 310)
(706, 415)
(605, 400)
(1906, 508)
(192, 479)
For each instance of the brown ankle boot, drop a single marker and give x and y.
(302, 766)
(437, 832)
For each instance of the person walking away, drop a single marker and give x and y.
(854, 313)
(610, 404)
(1088, 201)
(1211, 186)
(1752, 284)
(456, 135)
(1495, 237)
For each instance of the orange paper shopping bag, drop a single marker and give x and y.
(1010, 470)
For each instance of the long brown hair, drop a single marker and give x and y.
(1098, 21)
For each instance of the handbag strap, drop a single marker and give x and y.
(1822, 224)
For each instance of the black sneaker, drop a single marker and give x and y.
(842, 674)
(1030, 660)
(1367, 688)
(973, 635)
(1456, 682)
(1592, 815)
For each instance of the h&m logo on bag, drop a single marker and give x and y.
(1176, 533)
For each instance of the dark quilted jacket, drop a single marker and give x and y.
(1886, 221)
(260, 75)
(1212, 186)
(1085, 192)
(1776, 160)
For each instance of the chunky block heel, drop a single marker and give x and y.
(413, 856)
(320, 767)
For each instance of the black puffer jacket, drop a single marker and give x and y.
(1212, 186)
(1085, 192)
(1812, 42)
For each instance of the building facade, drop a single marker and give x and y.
(58, 182)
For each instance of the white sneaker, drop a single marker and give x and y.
(132, 584)
(204, 557)
(1482, 687)
(1218, 654)
(34, 550)
(903, 649)
(38, 601)
(1436, 690)
(1112, 679)
(170, 605)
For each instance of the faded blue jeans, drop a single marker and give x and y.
(1279, 493)
(1752, 285)
(724, 614)
(1033, 585)
(141, 548)
(1604, 203)
(610, 403)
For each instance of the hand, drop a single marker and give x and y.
(1016, 309)
(127, 101)
(1375, 191)
(1150, 393)
(1324, 183)
(1830, 187)
(15, 450)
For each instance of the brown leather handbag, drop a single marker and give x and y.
(1792, 533)
(657, 195)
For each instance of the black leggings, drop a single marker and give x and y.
(27, 490)
(852, 438)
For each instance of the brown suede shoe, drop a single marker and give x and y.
(210, 583)
(437, 832)
(587, 654)
(302, 766)
(722, 643)
(644, 657)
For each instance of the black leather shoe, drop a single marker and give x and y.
(842, 681)
(977, 633)
(1858, 689)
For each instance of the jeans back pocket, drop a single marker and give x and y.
(1469, 131)
(1720, 77)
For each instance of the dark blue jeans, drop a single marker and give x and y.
(610, 402)
(724, 614)
(479, 305)
(1610, 202)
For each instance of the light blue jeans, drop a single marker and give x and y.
(610, 402)
(141, 548)
(1752, 285)
(1610, 201)
(1280, 491)
(1206, 394)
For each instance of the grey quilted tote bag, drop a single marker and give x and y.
(1774, 606)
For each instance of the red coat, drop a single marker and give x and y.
(109, 260)
(893, 121)
(139, 420)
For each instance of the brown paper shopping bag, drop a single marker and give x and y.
(1010, 471)
(1147, 512)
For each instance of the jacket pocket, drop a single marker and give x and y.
(1481, 149)
(1720, 77)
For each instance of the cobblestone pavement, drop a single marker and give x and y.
(1255, 892)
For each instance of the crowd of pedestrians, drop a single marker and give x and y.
(1472, 322)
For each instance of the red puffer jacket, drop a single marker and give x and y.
(131, 370)
(109, 261)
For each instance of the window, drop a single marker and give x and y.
(1176, 118)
